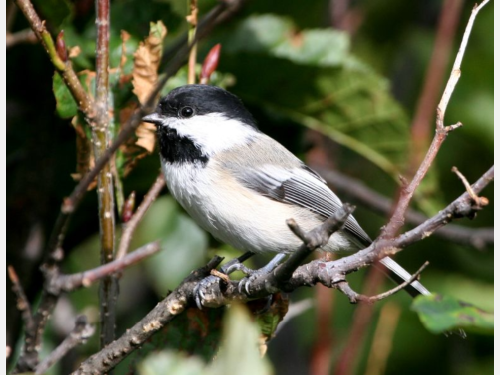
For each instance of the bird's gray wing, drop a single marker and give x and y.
(300, 186)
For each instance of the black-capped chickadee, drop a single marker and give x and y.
(241, 185)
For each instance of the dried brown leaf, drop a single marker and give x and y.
(145, 74)
(146, 61)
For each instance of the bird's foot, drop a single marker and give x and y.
(252, 275)
(200, 291)
(202, 287)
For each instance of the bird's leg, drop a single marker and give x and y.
(253, 274)
(228, 268)
(233, 264)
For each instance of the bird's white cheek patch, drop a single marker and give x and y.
(213, 132)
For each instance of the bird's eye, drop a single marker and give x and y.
(186, 112)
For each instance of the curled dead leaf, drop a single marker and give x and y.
(146, 61)
(144, 77)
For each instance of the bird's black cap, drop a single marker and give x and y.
(205, 99)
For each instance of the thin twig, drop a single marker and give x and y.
(131, 225)
(312, 241)
(397, 219)
(356, 297)
(23, 36)
(23, 304)
(80, 334)
(69, 283)
(427, 102)
(10, 16)
(480, 201)
(455, 73)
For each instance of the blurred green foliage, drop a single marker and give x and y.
(444, 313)
(294, 72)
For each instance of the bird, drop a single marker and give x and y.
(241, 185)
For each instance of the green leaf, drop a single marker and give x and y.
(269, 316)
(65, 104)
(278, 37)
(239, 353)
(444, 313)
(171, 363)
(317, 82)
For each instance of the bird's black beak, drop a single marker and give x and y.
(153, 118)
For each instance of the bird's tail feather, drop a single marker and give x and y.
(400, 275)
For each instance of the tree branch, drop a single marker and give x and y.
(23, 36)
(23, 304)
(356, 297)
(57, 283)
(80, 334)
(133, 338)
(108, 289)
(72, 282)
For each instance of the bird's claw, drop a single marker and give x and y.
(250, 278)
(200, 289)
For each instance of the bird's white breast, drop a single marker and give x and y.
(236, 215)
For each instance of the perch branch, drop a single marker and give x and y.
(133, 338)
